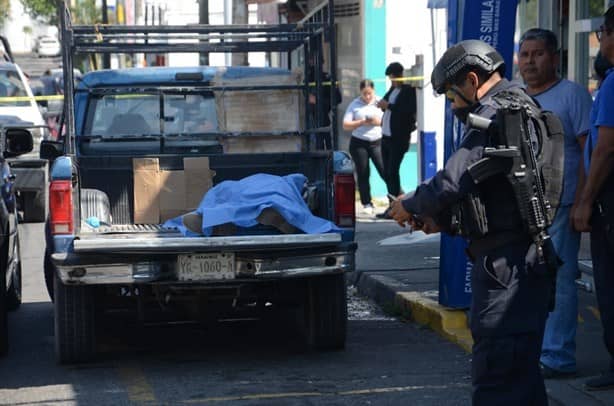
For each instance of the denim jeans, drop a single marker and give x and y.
(559, 345)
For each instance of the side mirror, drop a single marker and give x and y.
(50, 149)
(17, 141)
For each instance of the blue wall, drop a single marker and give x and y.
(374, 67)
(375, 44)
(409, 175)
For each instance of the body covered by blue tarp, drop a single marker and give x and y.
(240, 202)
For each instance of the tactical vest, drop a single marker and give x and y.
(547, 136)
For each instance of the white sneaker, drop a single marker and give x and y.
(368, 209)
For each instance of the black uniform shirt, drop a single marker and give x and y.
(435, 197)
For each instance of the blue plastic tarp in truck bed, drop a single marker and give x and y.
(240, 202)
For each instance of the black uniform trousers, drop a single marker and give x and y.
(393, 151)
(510, 299)
(602, 252)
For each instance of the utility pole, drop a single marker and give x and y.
(239, 16)
(106, 58)
(228, 21)
(203, 18)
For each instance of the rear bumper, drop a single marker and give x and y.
(143, 261)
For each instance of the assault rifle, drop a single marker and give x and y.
(514, 155)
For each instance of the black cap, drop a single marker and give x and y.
(395, 69)
(462, 56)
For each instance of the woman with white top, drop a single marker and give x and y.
(364, 119)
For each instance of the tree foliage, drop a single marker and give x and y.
(83, 12)
(5, 6)
(86, 12)
(44, 10)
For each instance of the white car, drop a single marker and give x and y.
(48, 46)
(16, 97)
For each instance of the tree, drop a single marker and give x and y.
(84, 12)
(5, 6)
(45, 10)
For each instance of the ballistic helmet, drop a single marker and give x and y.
(461, 58)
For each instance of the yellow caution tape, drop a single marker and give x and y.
(28, 98)
(402, 79)
(61, 97)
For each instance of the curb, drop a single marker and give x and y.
(448, 323)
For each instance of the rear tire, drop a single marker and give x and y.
(49, 271)
(326, 312)
(4, 327)
(74, 308)
(14, 292)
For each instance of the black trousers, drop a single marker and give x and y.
(361, 151)
(602, 252)
(510, 298)
(393, 152)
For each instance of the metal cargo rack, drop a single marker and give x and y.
(303, 40)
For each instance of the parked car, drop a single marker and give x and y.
(17, 141)
(48, 46)
(13, 83)
(17, 101)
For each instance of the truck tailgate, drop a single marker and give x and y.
(124, 243)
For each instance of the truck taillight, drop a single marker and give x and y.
(61, 207)
(345, 190)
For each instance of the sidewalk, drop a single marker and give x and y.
(400, 271)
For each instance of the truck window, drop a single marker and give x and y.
(189, 114)
(11, 85)
(134, 114)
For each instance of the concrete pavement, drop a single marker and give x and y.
(400, 271)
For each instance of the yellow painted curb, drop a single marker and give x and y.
(450, 324)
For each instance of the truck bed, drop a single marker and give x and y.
(113, 175)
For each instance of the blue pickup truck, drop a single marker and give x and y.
(140, 144)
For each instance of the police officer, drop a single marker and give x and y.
(510, 288)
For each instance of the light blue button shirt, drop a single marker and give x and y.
(572, 104)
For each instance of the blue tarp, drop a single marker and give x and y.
(240, 202)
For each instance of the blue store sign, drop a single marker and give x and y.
(494, 22)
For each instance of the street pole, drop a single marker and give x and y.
(228, 21)
(106, 58)
(203, 18)
(239, 16)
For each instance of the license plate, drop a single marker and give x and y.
(212, 266)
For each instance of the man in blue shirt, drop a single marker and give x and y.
(538, 60)
(595, 211)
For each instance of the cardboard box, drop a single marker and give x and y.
(160, 195)
(146, 173)
(172, 194)
(199, 179)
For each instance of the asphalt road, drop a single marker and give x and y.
(386, 361)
